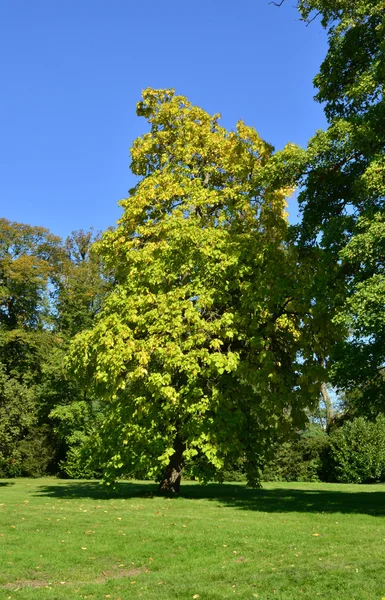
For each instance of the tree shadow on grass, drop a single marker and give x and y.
(5, 483)
(73, 489)
(272, 500)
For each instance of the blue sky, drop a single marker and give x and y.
(72, 71)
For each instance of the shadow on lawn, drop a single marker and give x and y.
(273, 500)
(4, 483)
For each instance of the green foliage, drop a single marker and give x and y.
(352, 74)
(344, 190)
(203, 346)
(36, 453)
(29, 260)
(25, 448)
(17, 416)
(360, 360)
(82, 285)
(301, 459)
(357, 451)
(48, 291)
(74, 425)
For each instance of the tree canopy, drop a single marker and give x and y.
(202, 348)
(343, 190)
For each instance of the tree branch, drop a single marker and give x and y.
(312, 19)
(206, 180)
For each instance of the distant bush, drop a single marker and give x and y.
(301, 459)
(357, 451)
(17, 417)
(37, 453)
(235, 473)
(304, 458)
(32, 456)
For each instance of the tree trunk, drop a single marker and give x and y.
(172, 476)
(328, 406)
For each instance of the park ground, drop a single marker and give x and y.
(63, 539)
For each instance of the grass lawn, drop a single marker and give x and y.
(68, 539)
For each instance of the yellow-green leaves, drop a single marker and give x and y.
(200, 340)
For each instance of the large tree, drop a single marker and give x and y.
(343, 197)
(203, 348)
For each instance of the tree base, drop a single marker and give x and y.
(170, 485)
(172, 476)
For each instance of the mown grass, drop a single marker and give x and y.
(69, 539)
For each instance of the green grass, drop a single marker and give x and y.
(68, 539)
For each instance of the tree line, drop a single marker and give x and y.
(50, 289)
(203, 330)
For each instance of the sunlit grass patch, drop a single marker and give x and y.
(69, 539)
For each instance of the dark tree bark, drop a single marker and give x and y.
(172, 476)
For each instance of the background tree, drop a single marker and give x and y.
(344, 190)
(30, 259)
(48, 292)
(82, 286)
(69, 410)
(202, 348)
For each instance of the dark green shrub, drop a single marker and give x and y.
(301, 459)
(17, 416)
(32, 456)
(37, 453)
(357, 451)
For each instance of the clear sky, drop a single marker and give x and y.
(71, 72)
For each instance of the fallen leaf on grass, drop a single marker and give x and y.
(316, 534)
(196, 596)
